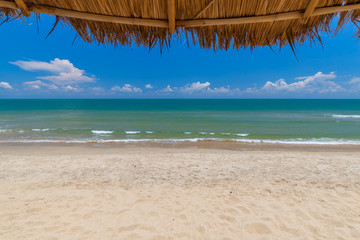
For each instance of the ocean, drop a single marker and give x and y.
(177, 120)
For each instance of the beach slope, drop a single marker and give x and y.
(82, 192)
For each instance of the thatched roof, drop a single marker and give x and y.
(217, 24)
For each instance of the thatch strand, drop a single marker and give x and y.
(24, 9)
(204, 9)
(310, 8)
(216, 24)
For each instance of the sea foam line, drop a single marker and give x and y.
(41, 129)
(101, 132)
(345, 116)
(321, 141)
(242, 134)
(132, 132)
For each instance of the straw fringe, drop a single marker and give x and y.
(277, 33)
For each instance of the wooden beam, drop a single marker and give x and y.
(88, 16)
(171, 15)
(24, 9)
(310, 8)
(204, 9)
(266, 18)
(184, 23)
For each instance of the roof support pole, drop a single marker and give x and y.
(171, 15)
(24, 9)
(310, 9)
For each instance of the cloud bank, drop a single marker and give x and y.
(67, 78)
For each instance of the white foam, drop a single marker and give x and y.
(4, 130)
(225, 133)
(132, 132)
(187, 133)
(345, 116)
(40, 130)
(169, 140)
(211, 133)
(101, 132)
(203, 133)
(149, 132)
(242, 134)
(299, 141)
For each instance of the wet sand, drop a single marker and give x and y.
(84, 192)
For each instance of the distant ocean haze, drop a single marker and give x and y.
(275, 121)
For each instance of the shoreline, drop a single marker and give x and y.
(220, 145)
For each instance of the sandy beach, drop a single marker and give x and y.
(82, 192)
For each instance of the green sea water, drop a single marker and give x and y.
(281, 121)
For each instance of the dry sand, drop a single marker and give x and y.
(80, 192)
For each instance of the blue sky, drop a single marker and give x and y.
(34, 67)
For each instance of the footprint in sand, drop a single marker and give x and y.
(227, 218)
(323, 167)
(355, 169)
(128, 228)
(244, 210)
(232, 211)
(257, 228)
(200, 229)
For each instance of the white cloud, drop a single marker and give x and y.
(317, 83)
(355, 80)
(148, 86)
(251, 90)
(64, 71)
(5, 85)
(199, 88)
(97, 89)
(39, 84)
(355, 84)
(225, 91)
(195, 87)
(127, 88)
(168, 89)
(71, 89)
(221, 90)
(278, 85)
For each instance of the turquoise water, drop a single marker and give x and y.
(284, 121)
